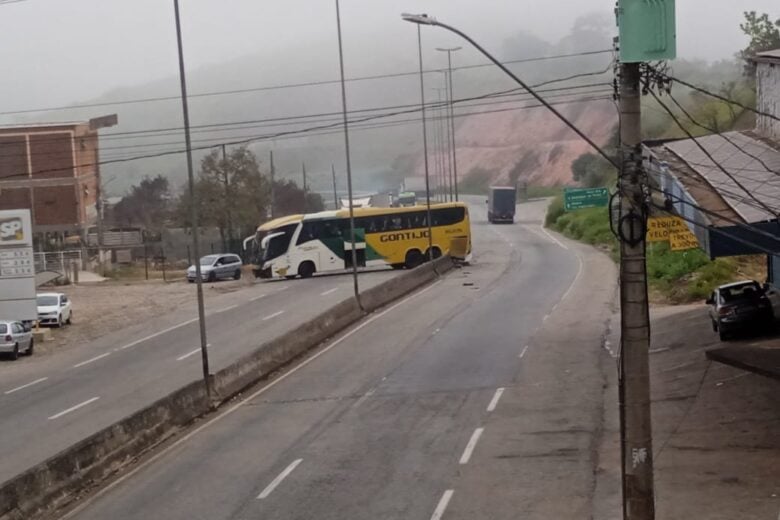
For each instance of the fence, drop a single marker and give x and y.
(57, 261)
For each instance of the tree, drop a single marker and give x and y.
(593, 170)
(764, 35)
(147, 205)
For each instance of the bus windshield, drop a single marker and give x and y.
(277, 245)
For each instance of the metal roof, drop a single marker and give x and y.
(768, 55)
(751, 161)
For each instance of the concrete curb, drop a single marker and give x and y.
(53, 483)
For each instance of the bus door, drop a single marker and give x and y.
(360, 248)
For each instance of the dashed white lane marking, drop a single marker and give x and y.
(274, 315)
(364, 397)
(164, 331)
(464, 459)
(163, 452)
(224, 309)
(522, 352)
(278, 480)
(442, 505)
(494, 401)
(329, 291)
(73, 408)
(91, 360)
(191, 353)
(255, 298)
(31, 383)
(545, 317)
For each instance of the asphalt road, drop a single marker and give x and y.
(479, 396)
(50, 403)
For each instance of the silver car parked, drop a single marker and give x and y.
(217, 267)
(15, 338)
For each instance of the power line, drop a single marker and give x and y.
(285, 86)
(707, 153)
(718, 96)
(279, 135)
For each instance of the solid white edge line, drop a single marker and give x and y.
(92, 360)
(74, 408)
(11, 391)
(238, 405)
(551, 237)
(464, 459)
(494, 401)
(329, 291)
(274, 315)
(278, 480)
(164, 331)
(442, 505)
(574, 282)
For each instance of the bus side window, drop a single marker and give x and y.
(307, 234)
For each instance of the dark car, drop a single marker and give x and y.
(739, 306)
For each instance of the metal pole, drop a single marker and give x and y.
(437, 142)
(335, 192)
(304, 187)
(448, 158)
(273, 188)
(452, 121)
(193, 207)
(425, 146)
(226, 181)
(637, 450)
(349, 162)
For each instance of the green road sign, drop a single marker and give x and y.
(579, 198)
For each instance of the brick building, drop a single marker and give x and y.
(53, 171)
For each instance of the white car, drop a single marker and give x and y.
(54, 309)
(15, 338)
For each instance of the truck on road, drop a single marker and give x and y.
(501, 204)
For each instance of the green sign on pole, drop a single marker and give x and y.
(579, 198)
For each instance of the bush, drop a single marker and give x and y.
(554, 211)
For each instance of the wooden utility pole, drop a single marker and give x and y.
(637, 442)
(228, 202)
(304, 187)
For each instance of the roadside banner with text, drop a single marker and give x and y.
(672, 230)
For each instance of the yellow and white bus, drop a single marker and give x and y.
(397, 237)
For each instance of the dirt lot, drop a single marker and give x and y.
(110, 305)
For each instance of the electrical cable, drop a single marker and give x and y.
(284, 86)
(706, 152)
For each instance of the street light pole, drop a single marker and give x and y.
(438, 143)
(335, 192)
(349, 162)
(425, 146)
(451, 107)
(193, 207)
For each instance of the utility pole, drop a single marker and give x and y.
(304, 187)
(193, 208)
(438, 142)
(448, 139)
(335, 193)
(273, 187)
(228, 202)
(451, 106)
(638, 495)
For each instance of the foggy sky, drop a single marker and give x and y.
(63, 51)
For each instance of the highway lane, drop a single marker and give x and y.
(388, 419)
(51, 403)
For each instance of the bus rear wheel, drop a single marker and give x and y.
(414, 258)
(306, 269)
(436, 254)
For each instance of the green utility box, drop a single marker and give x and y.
(647, 30)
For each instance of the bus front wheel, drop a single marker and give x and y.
(414, 258)
(306, 269)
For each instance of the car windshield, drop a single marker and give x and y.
(47, 301)
(741, 292)
(208, 259)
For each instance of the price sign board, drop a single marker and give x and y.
(17, 266)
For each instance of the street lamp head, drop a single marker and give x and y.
(450, 49)
(421, 19)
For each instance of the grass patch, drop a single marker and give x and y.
(673, 276)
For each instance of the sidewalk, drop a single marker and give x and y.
(716, 429)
